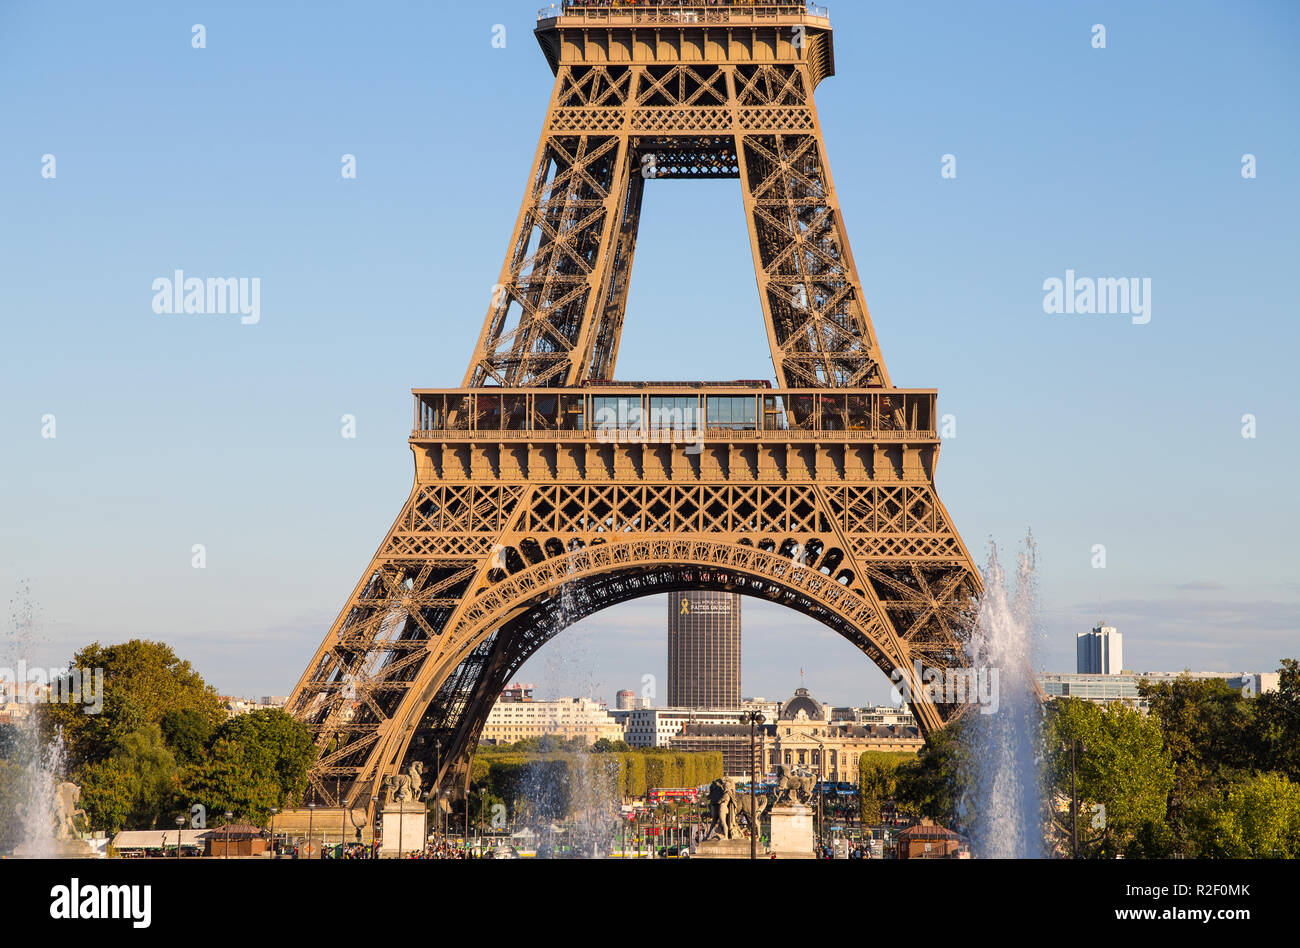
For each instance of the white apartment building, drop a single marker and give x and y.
(769, 709)
(882, 715)
(511, 721)
(656, 727)
(235, 706)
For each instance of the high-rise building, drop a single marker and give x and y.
(704, 650)
(1100, 651)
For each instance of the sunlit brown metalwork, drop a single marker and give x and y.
(544, 491)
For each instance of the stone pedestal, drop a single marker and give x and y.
(407, 822)
(727, 849)
(792, 832)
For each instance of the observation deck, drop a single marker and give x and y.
(694, 431)
(675, 411)
(588, 32)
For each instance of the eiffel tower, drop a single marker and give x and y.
(546, 491)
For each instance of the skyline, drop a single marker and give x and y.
(174, 431)
(568, 668)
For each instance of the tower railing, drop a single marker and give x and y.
(677, 11)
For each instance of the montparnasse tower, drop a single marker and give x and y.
(704, 649)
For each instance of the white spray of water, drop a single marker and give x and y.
(570, 661)
(1005, 747)
(42, 763)
(591, 790)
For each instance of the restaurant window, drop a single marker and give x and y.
(546, 411)
(736, 412)
(674, 413)
(489, 412)
(610, 412)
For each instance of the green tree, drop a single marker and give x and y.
(878, 782)
(483, 805)
(155, 777)
(256, 761)
(109, 790)
(276, 743)
(1275, 731)
(12, 793)
(188, 732)
(142, 682)
(1256, 816)
(228, 780)
(1206, 726)
(1125, 769)
(934, 782)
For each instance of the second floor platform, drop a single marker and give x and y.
(654, 412)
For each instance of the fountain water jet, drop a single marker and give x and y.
(45, 804)
(573, 784)
(1002, 807)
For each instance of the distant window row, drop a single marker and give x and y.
(674, 413)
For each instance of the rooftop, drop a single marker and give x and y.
(802, 701)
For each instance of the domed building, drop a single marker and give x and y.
(806, 736)
(802, 707)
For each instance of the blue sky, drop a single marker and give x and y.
(225, 161)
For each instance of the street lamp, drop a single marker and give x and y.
(374, 823)
(755, 718)
(343, 817)
(821, 796)
(482, 819)
(401, 822)
(469, 767)
(311, 826)
(229, 815)
(180, 821)
(274, 810)
(820, 789)
(437, 790)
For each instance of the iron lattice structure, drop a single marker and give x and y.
(544, 491)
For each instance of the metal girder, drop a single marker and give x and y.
(555, 313)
